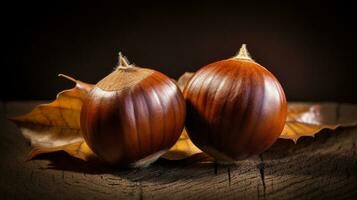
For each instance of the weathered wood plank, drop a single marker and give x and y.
(324, 167)
(199, 180)
(311, 169)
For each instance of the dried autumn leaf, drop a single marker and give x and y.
(183, 148)
(308, 119)
(56, 126)
(78, 150)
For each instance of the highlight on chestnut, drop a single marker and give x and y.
(132, 116)
(236, 108)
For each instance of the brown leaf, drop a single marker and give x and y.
(306, 119)
(78, 150)
(56, 125)
(183, 148)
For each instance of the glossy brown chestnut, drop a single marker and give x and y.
(235, 108)
(132, 116)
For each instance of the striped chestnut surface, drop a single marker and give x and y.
(133, 116)
(236, 108)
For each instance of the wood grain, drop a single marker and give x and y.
(324, 167)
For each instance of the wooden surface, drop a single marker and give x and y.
(324, 167)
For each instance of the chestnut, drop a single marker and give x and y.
(133, 116)
(236, 108)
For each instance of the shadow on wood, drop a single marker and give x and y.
(334, 150)
(62, 161)
(330, 153)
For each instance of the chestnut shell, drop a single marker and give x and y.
(235, 109)
(131, 114)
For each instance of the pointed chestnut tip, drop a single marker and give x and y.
(123, 61)
(243, 53)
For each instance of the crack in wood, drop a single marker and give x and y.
(141, 195)
(112, 184)
(229, 175)
(261, 167)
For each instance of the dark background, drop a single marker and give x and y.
(309, 46)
